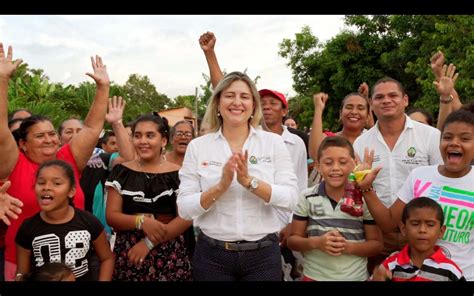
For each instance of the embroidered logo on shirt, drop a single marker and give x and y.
(411, 152)
(253, 159)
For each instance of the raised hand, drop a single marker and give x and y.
(242, 168)
(7, 66)
(445, 84)
(10, 207)
(437, 62)
(228, 172)
(207, 41)
(367, 165)
(115, 111)
(364, 90)
(320, 100)
(100, 72)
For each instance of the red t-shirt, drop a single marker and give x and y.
(23, 179)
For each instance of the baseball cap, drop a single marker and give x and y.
(274, 93)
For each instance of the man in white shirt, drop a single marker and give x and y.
(400, 145)
(275, 108)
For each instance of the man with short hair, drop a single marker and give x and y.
(400, 144)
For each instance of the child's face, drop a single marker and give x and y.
(457, 148)
(334, 165)
(53, 188)
(422, 229)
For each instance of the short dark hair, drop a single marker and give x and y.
(18, 110)
(106, 136)
(335, 141)
(420, 203)
(427, 114)
(61, 126)
(388, 79)
(461, 115)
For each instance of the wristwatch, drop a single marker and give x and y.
(253, 185)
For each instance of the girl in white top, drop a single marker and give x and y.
(232, 180)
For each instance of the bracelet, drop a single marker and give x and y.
(446, 101)
(148, 243)
(366, 190)
(139, 219)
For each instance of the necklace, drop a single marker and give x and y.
(143, 171)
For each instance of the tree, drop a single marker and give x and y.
(398, 46)
(142, 97)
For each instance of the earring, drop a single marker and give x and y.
(218, 114)
(251, 116)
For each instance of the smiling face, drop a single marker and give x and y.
(236, 104)
(183, 134)
(422, 229)
(334, 165)
(53, 188)
(457, 149)
(388, 101)
(148, 141)
(354, 112)
(41, 142)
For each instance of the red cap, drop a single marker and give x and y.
(274, 93)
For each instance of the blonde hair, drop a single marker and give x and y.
(211, 116)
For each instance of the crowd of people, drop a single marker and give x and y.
(389, 196)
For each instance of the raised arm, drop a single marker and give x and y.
(363, 90)
(84, 142)
(8, 148)
(316, 136)
(444, 87)
(386, 218)
(207, 41)
(114, 117)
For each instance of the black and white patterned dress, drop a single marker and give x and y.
(155, 194)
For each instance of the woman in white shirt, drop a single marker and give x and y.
(232, 181)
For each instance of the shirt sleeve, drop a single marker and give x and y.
(406, 193)
(302, 165)
(285, 186)
(189, 195)
(23, 237)
(302, 207)
(434, 152)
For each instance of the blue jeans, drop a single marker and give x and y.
(213, 263)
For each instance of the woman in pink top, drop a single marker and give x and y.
(38, 143)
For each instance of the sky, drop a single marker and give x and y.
(163, 47)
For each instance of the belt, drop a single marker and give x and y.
(241, 245)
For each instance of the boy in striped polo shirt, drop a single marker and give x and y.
(335, 244)
(421, 259)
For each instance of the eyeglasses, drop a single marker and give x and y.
(185, 134)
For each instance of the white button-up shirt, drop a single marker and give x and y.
(238, 214)
(417, 145)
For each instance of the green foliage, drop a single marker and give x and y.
(399, 46)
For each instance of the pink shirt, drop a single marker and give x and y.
(23, 179)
